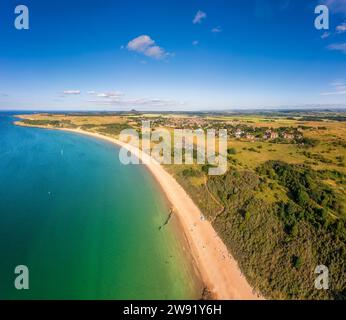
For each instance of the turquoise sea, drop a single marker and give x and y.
(86, 226)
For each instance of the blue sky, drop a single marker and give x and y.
(171, 55)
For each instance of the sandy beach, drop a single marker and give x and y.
(218, 269)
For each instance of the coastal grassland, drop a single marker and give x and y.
(323, 156)
(110, 125)
(280, 208)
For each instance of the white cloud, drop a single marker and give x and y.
(216, 29)
(114, 94)
(338, 88)
(147, 46)
(338, 47)
(332, 93)
(195, 43)
(72, 92)
(336, 6)
(341, 28)
(338, 83)
(200, 15)
(138, 102)
(109, 94)
(140, 44)
(325, 35)
(118, 99)
(155, 52)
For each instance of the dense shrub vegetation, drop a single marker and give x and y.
(114, 128)
(278, 245)
(52, 123)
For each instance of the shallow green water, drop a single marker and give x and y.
(86, 226)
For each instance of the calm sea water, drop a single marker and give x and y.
(86, 226)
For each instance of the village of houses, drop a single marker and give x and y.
(234, 129)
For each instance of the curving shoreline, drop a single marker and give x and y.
(218, 269)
